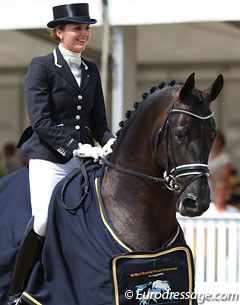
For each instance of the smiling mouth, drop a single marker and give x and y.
(81, 41)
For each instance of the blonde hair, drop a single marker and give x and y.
(54, 36)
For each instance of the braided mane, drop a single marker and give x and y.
(146, 98)
(131, 114)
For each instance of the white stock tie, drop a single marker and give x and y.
(74, 62)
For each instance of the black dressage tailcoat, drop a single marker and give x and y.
(61, 113)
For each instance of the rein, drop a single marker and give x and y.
(170, 177)
(132, 173)
(81, 169)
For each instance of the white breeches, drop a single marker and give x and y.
(43, 177)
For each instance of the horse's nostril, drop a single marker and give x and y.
(189, 203)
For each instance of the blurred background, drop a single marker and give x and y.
(136, 44)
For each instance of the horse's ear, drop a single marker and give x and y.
(214, 89)
(187, 87)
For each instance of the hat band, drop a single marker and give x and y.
(83, 18)
(75, 19)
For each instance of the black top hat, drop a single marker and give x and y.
(71, 13)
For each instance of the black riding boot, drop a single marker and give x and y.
(28, 252)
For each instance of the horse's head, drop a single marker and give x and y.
(187, 137)
(165, 143)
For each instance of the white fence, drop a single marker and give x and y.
(215, 243)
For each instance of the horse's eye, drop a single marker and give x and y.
(178, 136)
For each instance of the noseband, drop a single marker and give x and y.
(170, 177)
(196, 170)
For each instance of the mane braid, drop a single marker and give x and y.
(131, 114)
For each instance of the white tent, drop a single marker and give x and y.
(25, 14)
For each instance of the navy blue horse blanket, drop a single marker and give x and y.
(15, 212)
(83, 261)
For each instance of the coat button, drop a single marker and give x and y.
(77, 127)
(79, 107)
(78, 117)
(80, 97)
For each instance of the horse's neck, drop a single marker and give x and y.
(142, 213)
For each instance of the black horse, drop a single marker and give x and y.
(124, 234)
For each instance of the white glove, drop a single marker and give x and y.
(88, 151)
(107, 150)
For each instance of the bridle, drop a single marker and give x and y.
(170, 176)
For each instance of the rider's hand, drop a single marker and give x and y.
(88, 151)
(107, 148)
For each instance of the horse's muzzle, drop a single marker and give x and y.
(195, 200)
(191, 208)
